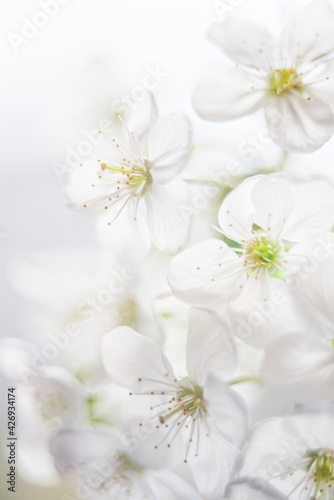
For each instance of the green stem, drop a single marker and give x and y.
(208, 182)
(249, 378)
(283, 160)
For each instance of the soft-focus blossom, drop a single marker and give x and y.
(201, 407)
(102, 468)
(139, 169)
(74, 296)
(288, 76)
(267, 218)
(49, 397)
(294, 454)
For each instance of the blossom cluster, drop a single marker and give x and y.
(190, 355)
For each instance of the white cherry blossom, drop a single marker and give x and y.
(294, 454)
(103, 469)
(201, 415)
(74, 296)
(141, 169)
(49, 397)
(289, 77)
(267, 218)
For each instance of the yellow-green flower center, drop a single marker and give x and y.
(128, 314)
(134, 175)
(263, 253)
(187, 401)
(320, 468)
(281, 80)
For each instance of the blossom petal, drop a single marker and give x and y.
(272, 199)
(228, 94)
(314, 285)
(298, 124)
(226, 407)
(149, 447)
(169, 486)
(213, 465)
(210, 346)
(127, 238)
(73, 447)
(295, 208)
(143, 116)
(308, 34)
(301, 366)
(313, 210)
(134, 361)
(85, 187)
(279, 442)
(169, 145)
(236, 214)
(208, 274)
(169, 217)
(243, 41)
(264, 310)
(318, 84)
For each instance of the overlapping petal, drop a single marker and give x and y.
(228, 94)
(298, 124)
(210, 346)
(208, 274)
(134, 361)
